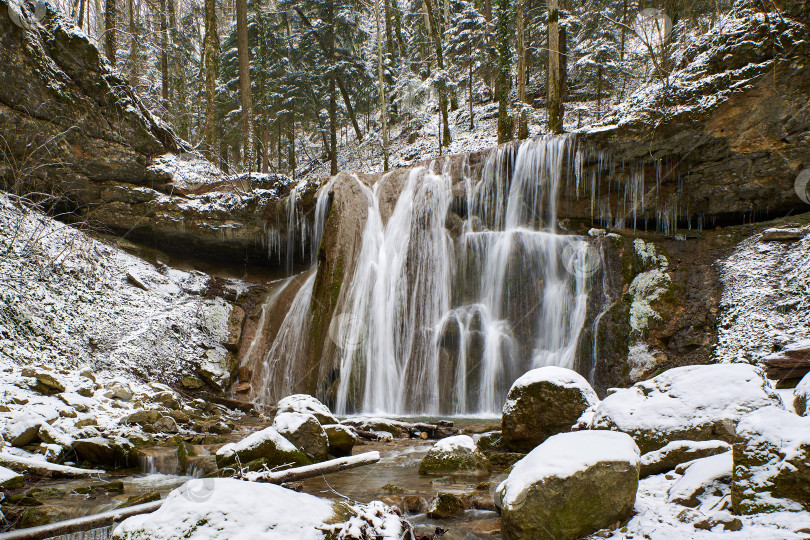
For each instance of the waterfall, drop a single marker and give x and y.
(400, 288)
(449, 325)
(431, 323)
(288, 351)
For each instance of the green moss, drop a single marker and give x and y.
(442, 463)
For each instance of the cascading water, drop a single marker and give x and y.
(450, 327)
(279, 375)
(401, 287)
(447, 324)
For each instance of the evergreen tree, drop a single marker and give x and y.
(469, 45)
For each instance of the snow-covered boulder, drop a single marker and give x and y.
(801, 399)
(542, 403)
(696, 403)
(570, 486)
(709, 474)
(22, 428)
(771, 462)
(341, 439)
(228, 509)
(10, 479)
(267, 445)
(454, 455)
(677, 452)
(304, 431)
(306, 404)
(46, 382)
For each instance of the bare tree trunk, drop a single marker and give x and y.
(330, 50)
(109, 31)
(441, 87)
(134, 45)
(381, 81)
(504, 63)
(556, 67)
(81, 13)
(164, 55)
(522, 127)
(389, 39)
(244, 82)
(265, 150)
(210, 47)
(403, 48)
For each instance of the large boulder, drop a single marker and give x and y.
(771, 462)
(801, 396)
(341, 440)
(267, 445)
(570, 486)
(455, 455)
(226, 508)
(110, 452)
(677, 452)
(542, 403)
(306, 404)
(696, 403)
(304, 431)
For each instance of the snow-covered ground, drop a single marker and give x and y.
(87, 332)
(766, 299)
(69, 301)
(659, 519)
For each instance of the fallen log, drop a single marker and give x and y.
(311, 471)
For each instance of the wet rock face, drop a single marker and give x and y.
(56, 90)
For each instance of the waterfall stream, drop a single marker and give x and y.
(448, 322)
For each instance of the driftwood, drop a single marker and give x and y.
(81, 524)
(311, 471)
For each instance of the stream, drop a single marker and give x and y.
(393, 480)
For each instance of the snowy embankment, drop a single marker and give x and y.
(766, 299)
(82, 326)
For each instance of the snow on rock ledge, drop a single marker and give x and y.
(570, 486)
(771, 462)
(677, 452)
(542, 403)
(695, 403)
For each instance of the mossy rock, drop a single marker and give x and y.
(575, 506)
(771, 462)
(341, 440)
(542, 403)
(444, 506)
(267, 444)
(448, 458)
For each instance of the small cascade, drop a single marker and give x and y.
(321, 213)
(159, 461)
(271, 300)
(279, 376)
